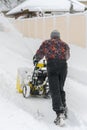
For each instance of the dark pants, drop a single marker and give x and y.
(57, 72)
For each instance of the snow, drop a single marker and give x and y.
(47, 5)
(33, 113)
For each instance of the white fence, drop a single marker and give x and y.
(72, 27)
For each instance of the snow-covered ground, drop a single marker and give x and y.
(17, 112)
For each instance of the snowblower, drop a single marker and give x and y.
(35, 84)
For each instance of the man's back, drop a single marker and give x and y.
(54, 49)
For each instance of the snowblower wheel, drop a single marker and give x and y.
(26, 91)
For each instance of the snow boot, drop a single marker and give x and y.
(60, 119)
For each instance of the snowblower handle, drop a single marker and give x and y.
(35, 61)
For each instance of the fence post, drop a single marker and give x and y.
(86, 30)
(36, 29)
(44, 28)
(68, 27)
(54, 22)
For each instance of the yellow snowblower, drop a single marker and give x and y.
(33, 85)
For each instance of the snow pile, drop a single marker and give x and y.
(12, 44)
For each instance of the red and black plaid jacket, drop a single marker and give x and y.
(53, 49)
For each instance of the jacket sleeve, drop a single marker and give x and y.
(40, 52)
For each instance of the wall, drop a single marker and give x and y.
(71, 26)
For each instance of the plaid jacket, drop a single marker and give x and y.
(53, 49)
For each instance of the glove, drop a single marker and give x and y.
(35, 61)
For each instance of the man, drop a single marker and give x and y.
(56, 53)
